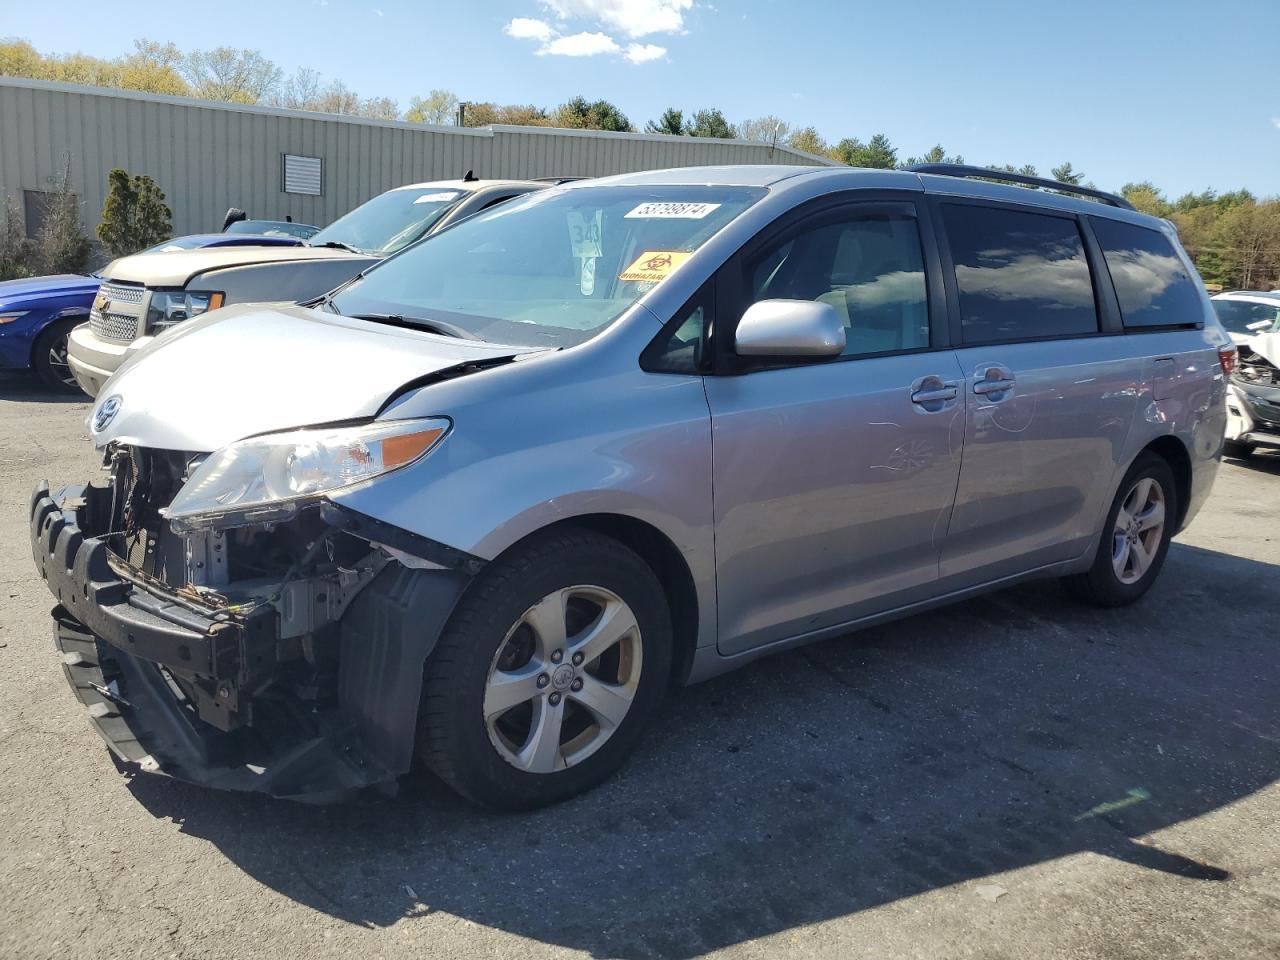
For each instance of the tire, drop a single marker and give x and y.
(1105, 585)
(49, 355)
(491, 643)
(1234, 448)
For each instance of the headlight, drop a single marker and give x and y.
(267, 478)
(173, 306)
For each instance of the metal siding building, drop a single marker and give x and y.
(208, 156)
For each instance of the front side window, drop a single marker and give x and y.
(1021, 276)
(390, 221)
(1151, 281)
(869, 268)
(684, 344)
(1248, 319)
(552, 268)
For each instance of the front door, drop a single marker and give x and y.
(834, 479)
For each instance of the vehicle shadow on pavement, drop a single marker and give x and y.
(946, 748)
(24, 385)
(1262, 461)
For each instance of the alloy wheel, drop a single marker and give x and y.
(58, 363)
(563, 679)
(1139, 528)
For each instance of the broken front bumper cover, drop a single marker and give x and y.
(1253, 414)
(122, 643)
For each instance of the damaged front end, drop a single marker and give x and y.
(278, 653)
(1253, 400)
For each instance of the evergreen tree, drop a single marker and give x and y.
(134, 215)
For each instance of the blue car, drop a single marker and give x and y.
(36, 317)
(38, 314)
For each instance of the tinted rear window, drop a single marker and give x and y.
(1152, 284)
(1021, 276)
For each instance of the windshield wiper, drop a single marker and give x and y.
(336, 245)
(414, 323)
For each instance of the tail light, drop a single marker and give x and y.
(1228, 358)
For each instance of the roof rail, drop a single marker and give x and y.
(554, 181)
(983, 173)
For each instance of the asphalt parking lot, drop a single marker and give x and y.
(1016, 776)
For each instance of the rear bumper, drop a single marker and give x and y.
(125, 645)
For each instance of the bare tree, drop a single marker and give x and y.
(301, 91)
(224, 73)
(438, 107)
(766, 129)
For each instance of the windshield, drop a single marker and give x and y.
(389, 222)
(177, 243)
(550, 269)
(273, 228)
(1237, 315)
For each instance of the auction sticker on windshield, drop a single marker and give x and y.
(654, 265)
(672, 211)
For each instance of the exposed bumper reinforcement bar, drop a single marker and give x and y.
(121, 645)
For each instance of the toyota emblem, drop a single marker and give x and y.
(106, 413)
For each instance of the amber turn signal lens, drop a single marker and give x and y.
(397, 451)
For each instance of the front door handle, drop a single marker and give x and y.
(947, 391)
(932, 394)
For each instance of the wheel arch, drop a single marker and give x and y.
(662, 556)
(49, 323)
(1174, 452)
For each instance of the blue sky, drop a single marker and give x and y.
(1185, 94)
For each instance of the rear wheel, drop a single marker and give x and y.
(49, 356)
(1136, 538)
(548, 672)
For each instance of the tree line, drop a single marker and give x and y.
(1233, 237)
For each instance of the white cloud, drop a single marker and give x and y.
(644, 52)
(580, 45)
(1275, 122)
(635, 18)
(379, 13)
(525, 28)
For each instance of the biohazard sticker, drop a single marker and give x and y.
(654, 265)
(671, 211)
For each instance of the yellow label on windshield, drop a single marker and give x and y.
(654, 265)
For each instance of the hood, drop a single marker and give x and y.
(1266, 345)
(15, 293)
(174, 268)
(249, 369)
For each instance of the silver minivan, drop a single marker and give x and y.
(485, 503)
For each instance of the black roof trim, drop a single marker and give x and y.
(1004, 176)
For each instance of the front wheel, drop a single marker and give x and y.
(548, 672)
(49, 356)
(1135, 539)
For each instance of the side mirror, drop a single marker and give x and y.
(790, 328)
